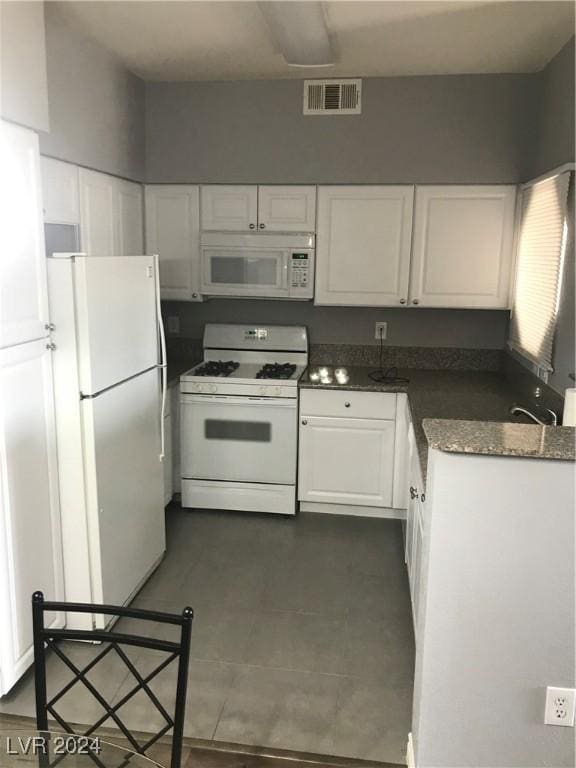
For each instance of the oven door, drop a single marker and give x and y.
(244, 271)
(245, 439)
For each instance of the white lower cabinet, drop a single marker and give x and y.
(346, 448)
(414, 526)
(172, 479)
(30, 537)
(168, 455)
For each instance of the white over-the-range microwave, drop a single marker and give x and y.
(257, 266)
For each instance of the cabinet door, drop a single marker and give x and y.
(97, 213)
(172, 231)
(346, 461)
(128, 218)
(462, 253)
(174, 394)
(23, 294)
(168, 459)
(229, 208)
(60, 191)
(363, 245)
(30, 542)
(287, 209)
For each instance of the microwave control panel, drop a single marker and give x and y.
(301, 271)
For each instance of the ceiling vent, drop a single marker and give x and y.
(332, 97)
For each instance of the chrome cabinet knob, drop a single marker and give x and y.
(346, 405)
(415, 301)
(49, 327)
(402, 301)
(262, 226)
(51, 346)
(413, 492)
(252, 226)
(304, 422)
(194, 295)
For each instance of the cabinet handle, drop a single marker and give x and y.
(262, 226)
(51, 346)
(49, 327)
(304, 422)
(346, 405)
(423, 497)
(402, 301)
(252, 226)
(413, 492)
(415, 301)
(194, 295)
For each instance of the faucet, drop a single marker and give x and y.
(516, 409)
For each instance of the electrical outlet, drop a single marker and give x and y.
(560, 704)
(173, 324)
(380, 331)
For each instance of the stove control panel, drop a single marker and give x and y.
(205, 389)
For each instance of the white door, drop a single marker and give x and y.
(462, 253)
(346, 461)
(363, 245)
(129, 218)
(97, 213)
(30, 542)
(229, 207)
(23, 294)
(116, 319)
(60, 191)
(287, 209)
(124, 486)
(173, 232)
(238, 438)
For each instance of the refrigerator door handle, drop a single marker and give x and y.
(163, 362)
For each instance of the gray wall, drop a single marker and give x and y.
(474, 329)
(555, 107)
(453, 129)
(96, 105)
(23, 64)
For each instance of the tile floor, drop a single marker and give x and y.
(302, 637)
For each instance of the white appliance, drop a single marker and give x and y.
(259, 266)
(107, 370)
(238, 417)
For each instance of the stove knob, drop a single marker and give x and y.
(263, 390)
(213, 388)
(277, 391)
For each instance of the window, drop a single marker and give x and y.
(540, 254)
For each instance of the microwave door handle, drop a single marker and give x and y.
(285, 258)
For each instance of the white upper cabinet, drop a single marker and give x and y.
(60, 191)
(111, 220)
(172, 231)
(363, 245)
(287, 209)
(129, 218)
(463, 243)
(97, 212)
(23, 293)
(229, 207)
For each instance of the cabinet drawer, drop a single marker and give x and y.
(358, 405)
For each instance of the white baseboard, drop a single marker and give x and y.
(410, 760)
(351, 509)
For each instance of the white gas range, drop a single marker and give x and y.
(239, 419)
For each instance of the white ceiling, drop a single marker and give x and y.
(223, 40)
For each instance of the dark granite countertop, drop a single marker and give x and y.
(459, 403)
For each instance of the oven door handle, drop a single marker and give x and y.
(247, 400)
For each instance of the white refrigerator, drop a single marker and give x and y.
(109, 377)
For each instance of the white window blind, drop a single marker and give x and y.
(541, 245)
